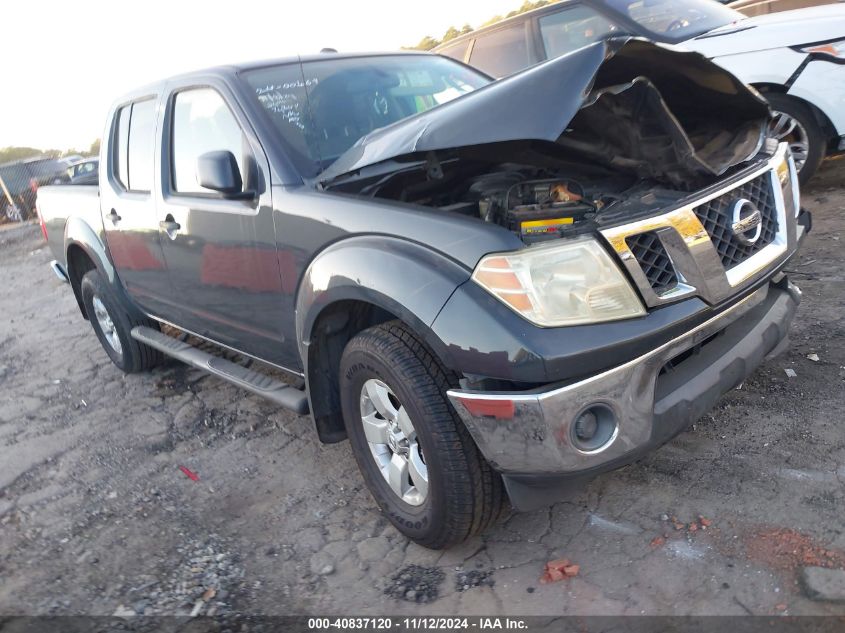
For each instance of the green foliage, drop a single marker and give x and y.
(528, 6)
(10, 154)
(428, 42)
(493, 20)
(451, 34)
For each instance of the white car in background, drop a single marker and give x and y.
(795, 58)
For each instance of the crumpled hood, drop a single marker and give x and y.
(774, 30)
(625, 103)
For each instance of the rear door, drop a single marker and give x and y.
(220, 252)
(128, 204)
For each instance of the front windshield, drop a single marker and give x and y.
(676, 20)
(321, 108)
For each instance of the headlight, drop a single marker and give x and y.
(831, 49)
(788, 178)
(565, 283)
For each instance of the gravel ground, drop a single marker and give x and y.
(96, 516)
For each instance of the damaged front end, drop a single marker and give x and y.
(618, 129)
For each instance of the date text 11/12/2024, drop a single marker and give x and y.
(417, 623)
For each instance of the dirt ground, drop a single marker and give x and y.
(96, 516)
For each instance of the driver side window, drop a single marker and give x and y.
(202, 122)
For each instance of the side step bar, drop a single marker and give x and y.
(279, 392)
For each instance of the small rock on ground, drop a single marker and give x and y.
(465, 580)
(415, 583)
(322, 564)
(824, 584)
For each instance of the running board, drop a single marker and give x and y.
(279, 392)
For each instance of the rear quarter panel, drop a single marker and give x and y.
(64, 207)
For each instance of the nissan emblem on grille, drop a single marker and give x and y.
(712, 244)
(746, 221)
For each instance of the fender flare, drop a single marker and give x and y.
(79, 233)
(409, 280)
(405, 279)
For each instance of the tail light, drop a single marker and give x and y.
(41, 222)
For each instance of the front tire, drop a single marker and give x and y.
(415, 454)
(793, 122)
(112, 324)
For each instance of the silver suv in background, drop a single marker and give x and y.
(795, 58)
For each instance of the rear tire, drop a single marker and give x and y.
(112, 324)
(462, 494)
(807, 131)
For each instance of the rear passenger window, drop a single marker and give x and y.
(573, 28)
(142, 134)
(135, 144)
(122, 146)
(501, 52)
(456, 51)
(202, 122)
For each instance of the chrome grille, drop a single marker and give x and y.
(654, 260)
(691, 250)
(715, 216)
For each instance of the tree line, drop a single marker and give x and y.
(428, 42)
(9, 154)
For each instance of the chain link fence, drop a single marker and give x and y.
(19, 182)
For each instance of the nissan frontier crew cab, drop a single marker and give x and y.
(491, 288)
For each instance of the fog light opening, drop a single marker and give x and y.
(594, 428)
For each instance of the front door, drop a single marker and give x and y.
(128, 204)
(220, 251)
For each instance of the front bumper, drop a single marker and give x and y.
(529, 436)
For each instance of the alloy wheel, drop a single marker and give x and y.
(786, 128)
(106, 324)
(393, 442)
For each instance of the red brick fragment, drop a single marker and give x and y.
(557, 570)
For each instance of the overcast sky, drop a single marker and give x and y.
(64, 62)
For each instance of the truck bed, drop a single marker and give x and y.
(57, 204)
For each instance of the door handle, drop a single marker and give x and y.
(114, 217)
(170, 226)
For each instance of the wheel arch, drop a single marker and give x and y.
(821, 118)
(354, 285)
(85, 251)
(79, 262)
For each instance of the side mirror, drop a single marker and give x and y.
(219, 171)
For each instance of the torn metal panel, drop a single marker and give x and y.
(625, 103)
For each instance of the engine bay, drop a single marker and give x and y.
(540, 198)
(638, 128)
(534, 208)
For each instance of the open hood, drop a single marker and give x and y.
(624, 103)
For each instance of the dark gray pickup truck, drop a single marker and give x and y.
(492, 289)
